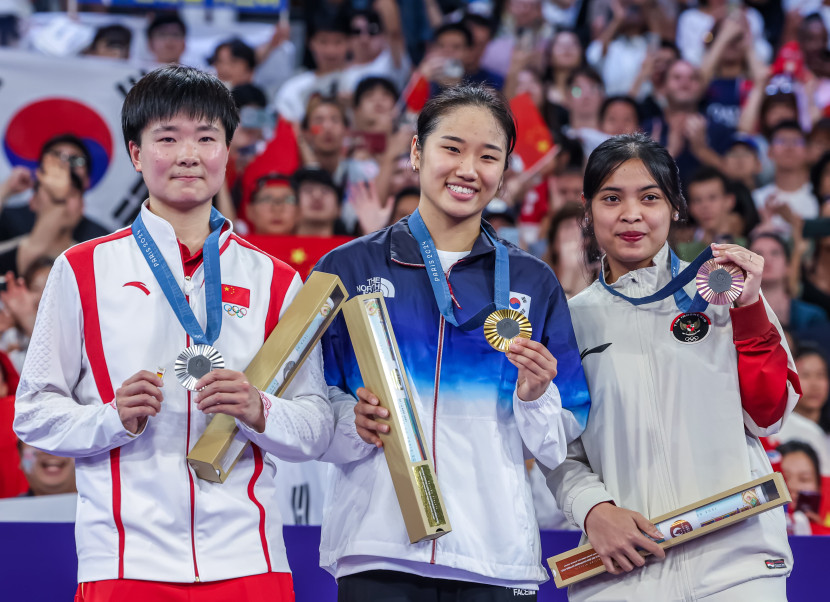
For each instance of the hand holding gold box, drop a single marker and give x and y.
(689, 522)
(405, 449)
(272, 369)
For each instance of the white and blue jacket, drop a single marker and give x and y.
(477, 429)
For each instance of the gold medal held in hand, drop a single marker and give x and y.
(504, 325)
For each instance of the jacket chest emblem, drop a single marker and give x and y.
(691, 328)
(236, 300)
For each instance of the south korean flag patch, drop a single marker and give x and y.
(519, 302)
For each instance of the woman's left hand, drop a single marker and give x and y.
(749, 262)
(537, 367)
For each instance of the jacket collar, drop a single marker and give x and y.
(651, 278)
(404, 247)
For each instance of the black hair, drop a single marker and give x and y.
(781, 98)
(38, 264)
(467, 95)
(239, 50)
(706, 174)
(316, 102)
(168, 91)
(317, 175)
(165, 18)
(791, 447)
(371, 15)
(774, 237)
(669, 45)
(588, 72)
(113, 35)
(457, 27)
(368, 84)
(249, 94)
(480, 21)
(623, 99)
(330, 21)
(790, 125)
(615, 151)
(66, 139)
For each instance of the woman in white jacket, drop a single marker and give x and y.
(680, 396)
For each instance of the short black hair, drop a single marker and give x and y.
(66, 139)
(707, 173)
(479, 20)
(790, 125)
(371, 15)
(113, 35)
(173, 89)
(317, 175)
(239, 50)
(587, 72)
(249, 94)
(623, 99)
(327, 20)
(368, 84)
(468, 95)
(165, 18)
(457, 27)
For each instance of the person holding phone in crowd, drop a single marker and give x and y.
(481, 410)
(681, 394)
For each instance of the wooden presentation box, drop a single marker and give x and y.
(692, 521)
(272, 369)
(405, 448)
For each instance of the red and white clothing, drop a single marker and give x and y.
(142, 512)
(672, 423)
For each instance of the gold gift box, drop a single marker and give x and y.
(405, 449)
(221, 445)
(583, 562)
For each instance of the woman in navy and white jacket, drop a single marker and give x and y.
(678, 402)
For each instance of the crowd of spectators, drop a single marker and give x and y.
(737, 90)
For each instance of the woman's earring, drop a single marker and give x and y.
(676, 216)
(414, 169)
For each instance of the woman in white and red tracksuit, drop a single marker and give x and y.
(678, 401)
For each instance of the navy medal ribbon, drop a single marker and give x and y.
(170, 288)
(674, 287)
(438, 279)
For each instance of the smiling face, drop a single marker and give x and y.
(47, 474)
(461, 164)
(182, 160)
(631, 216)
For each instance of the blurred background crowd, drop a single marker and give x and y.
(737, 90)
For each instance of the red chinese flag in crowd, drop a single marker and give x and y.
(236, 295)
(533, 138)
(300, 252)
(416, 93)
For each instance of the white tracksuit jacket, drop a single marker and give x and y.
(142, 512)
(666, 429)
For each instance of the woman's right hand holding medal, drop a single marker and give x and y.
(366, 412)
(137, 398)
(616, 533)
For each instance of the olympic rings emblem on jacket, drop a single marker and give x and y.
(235, 310)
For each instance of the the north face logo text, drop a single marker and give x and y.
(377, 285)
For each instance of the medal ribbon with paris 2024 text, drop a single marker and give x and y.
(674, 287)
(172, 291)
(438, 279)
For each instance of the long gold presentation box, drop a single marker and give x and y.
(272, 369)
(689, 522)
(405, 448)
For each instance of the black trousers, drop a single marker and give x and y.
(393, 586)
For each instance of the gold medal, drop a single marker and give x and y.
(504, 325)
(720, 283)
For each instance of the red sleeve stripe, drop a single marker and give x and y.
(81, 260)
(281, 280)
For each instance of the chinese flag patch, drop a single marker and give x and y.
(236, 294)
